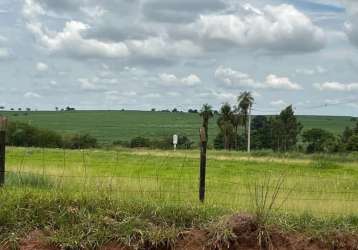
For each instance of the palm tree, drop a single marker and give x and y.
(206, 113)
(225, 123)
(245, 101)
(236, 122)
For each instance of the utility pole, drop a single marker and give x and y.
(249, 132)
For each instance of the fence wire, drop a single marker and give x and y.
(167, 177)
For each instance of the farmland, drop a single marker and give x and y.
(84, 199)
(148, 199)
(108, 126)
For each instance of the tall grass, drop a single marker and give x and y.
(90, 220)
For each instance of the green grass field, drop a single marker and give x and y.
(317, 185)
(108, 126)
(148, 199)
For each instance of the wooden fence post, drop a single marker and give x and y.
(3, 125)
(203, 145)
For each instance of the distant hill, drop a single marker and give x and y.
(109, 126)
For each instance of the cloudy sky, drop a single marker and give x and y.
(139, 54)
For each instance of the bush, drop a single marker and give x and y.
(121, 143)
(219, 142)
(139, 142)
(24, 135)
(319, 141)
(352, 144)
(80, 141)
(165, 143)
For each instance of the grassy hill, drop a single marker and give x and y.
(109, 126)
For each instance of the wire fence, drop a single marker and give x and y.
(173, 178)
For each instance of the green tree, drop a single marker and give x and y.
(225, 124)
(347, 133)
(245, 101)
(285, 130)
(261, 133)
(352, 144)
(236, 121)
(319, 140)
(355, 130)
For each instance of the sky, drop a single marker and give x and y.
(143, 54)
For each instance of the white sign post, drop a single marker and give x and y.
(175, 141)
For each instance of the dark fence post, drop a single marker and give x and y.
(3, 123)
(203, 145)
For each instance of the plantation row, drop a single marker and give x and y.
(281, 133)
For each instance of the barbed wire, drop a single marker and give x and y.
(172, 182)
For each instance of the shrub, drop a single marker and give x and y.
(139, 142)
(352, 144)
(165, 143)
(219, 142)
(121, 143)
(80, 141)
(22, 134)
(319, 140)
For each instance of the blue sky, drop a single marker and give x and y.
(139, 54)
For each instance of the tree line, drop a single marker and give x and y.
(279, 133)
(25, 135)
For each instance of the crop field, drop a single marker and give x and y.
(108, 126)
(319, 185)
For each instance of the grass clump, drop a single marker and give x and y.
(28, 180)
(89, 221)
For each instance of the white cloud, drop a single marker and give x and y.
(4, 53)
(152, 95)
(32, 95)
(234, 78)
(3, 39)
(172, 80)
(87, 84)
(237, 78)
(351, 5)
(41, 67)
(71, 41)
(321, 70)
(173, 94)
(275, 28)
(336, 86)
(351, 29)
(351, 25)
(311, 71)
(308, 72)
(218, 95)
(278, 103)
(284, 83)
(97, 83)
(32, 9)
(159, 47)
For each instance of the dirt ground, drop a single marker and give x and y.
(246, 234)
